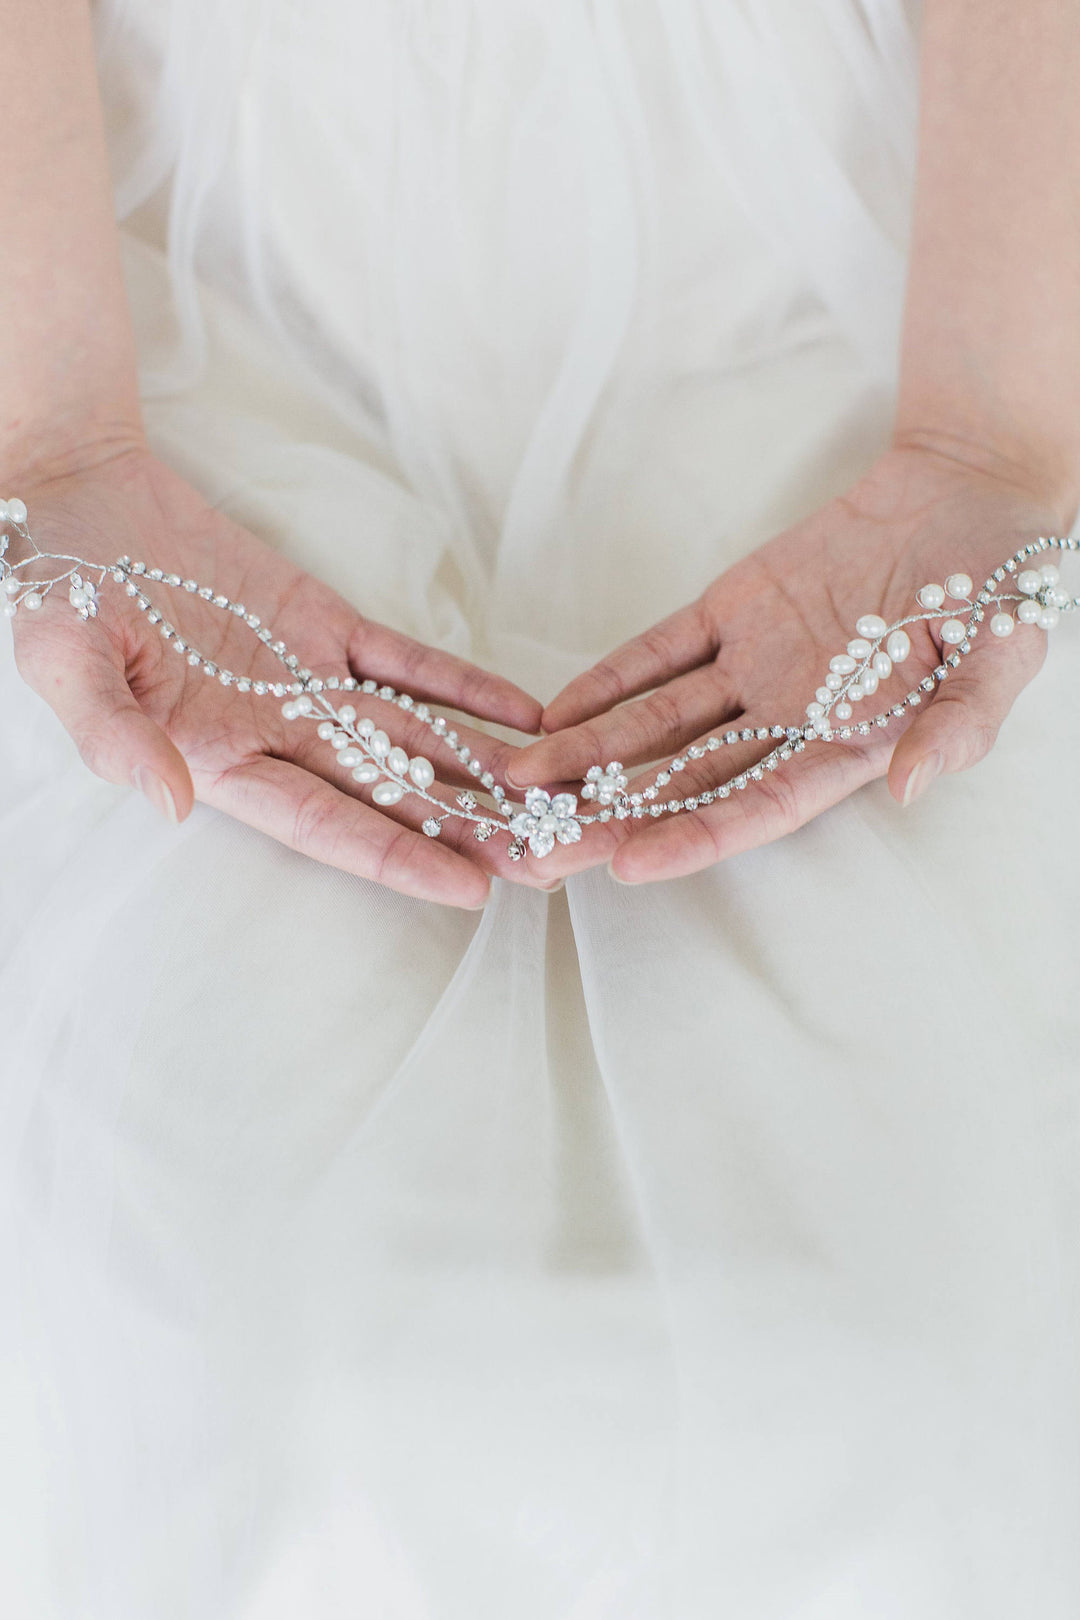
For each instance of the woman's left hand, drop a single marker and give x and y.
(751, 651)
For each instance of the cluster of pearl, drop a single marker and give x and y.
(1044, 601)
(877, 647)
(368, 754)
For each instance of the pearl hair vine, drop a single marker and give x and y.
(368, 755)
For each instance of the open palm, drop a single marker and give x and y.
(139, 713)
(751, 651)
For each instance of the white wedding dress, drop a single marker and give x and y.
(703, 1251)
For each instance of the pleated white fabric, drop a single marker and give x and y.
(706, 1249)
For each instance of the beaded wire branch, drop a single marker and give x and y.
(368, 754)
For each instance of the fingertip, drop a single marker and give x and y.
(635, 860)
(525, 714)
(919, 778)
(181, 785)
(563, 711)
(165, 782)
(549, 760)
(520, 772)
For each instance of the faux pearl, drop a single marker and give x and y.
(871, 625)
(16, 511)
(842, 711)
(347, 713)
(397, 760)
(814, 711)
(367, 772)
(959, 586)
(379, 743)
(289, 710)
(422, 771)
(77, 598)
(32, 601)
(548, 824)
(1048, 618)
(1029, 581)
(1058, 599)
(855, 692)
(931, 596)
(869, 682)
(953, 632)
(1051, 573)
(3, 511)
(823, 694)
(349, 757)
(842, 664)
(326, 730)
(365, 728)
(834, 682)
(882, 665)
(898, 646)
(1002, 624)
(860, 647)
(12, 587)
(1028, 612)
(388, 793)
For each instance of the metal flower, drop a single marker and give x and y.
(546, 819)
(603, 783)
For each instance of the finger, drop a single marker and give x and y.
(960, 726)
(378, 652)
(677, 644)
(784, 799)
(309, 815)
(646, 729)
(85, 686)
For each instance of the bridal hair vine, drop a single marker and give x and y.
(367, 753)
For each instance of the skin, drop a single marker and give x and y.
(72, 446)
(984, 456)
(757, 643)
(133, 706)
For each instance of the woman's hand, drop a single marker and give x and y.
(139, 714)
(752, 650)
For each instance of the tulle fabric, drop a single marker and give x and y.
(707, 1249)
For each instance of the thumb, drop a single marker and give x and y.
(90, 696)
(960, 725)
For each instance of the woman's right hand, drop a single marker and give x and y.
(139, 714)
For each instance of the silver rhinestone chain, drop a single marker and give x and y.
(368, 754)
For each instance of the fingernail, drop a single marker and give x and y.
(553, 888)
(151, 786)
(921, 777)
(624, 881)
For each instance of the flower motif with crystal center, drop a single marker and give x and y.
(546, 819)
(604, 783)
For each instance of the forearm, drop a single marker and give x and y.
(991, 351)
(68, 380)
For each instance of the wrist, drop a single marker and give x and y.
(32, 458)
(1046, 472)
